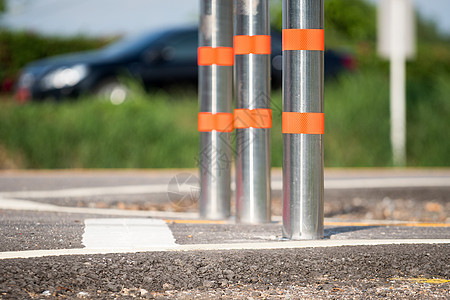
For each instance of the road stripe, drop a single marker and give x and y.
(181, 217)
(387, 223)
(214, 247)
(358, 183)
(422, 280)
(127, 234)
(277, 220)
(15, 204)
(197, 221)
(388, 182)
(92, 191)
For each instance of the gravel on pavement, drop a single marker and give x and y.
(394, 271)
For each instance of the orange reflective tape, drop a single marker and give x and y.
(221, 56)
(309, 123)
(256, 118)
(222, 122)
(303, 39)
(251, 44)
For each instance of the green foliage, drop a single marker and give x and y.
(159, 130)
(428, 141)
(96, 134)
(350, 20)
(357, 121)
(276, 11)
(19, 48)
(345, 21)
(348, 23)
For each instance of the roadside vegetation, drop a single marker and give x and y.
(19, 48)
(159, 129)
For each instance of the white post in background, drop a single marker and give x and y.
(396, 42)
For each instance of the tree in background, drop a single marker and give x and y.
(354, 21)
(345, 21)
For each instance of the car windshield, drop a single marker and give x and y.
(130, 44)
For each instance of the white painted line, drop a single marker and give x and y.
(308, 244)
(368, 183)
(92, 191)
(358, 183)
(213, 247)
(15, 204)
(388, 182)
(127, 234)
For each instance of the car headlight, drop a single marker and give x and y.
(65, 77)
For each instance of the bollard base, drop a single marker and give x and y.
(304, 237)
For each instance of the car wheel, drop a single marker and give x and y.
(114, 91)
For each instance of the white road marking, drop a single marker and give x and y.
(370, 183)
(353, 183)
(15, 204)
(7, 201)
(127, 234)
(392, 182)
(92, 191)
(213, 247)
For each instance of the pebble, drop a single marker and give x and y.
(208, 283)
(113, 287)
(82, 295)
(143, 292)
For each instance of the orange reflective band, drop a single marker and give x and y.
(303, 39)
(251, 44)
(221, 56)
(308, 123)
(255, 118)
(222, 122)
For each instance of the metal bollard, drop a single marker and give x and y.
(252, 116)
(303, 119)
(215, 59)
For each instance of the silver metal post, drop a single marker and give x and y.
(215, 96)
(252, 85)
(302, 153)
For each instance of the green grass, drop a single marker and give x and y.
(357, 121)
(159, 130)
(429, 126)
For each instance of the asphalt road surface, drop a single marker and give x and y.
(135, 234)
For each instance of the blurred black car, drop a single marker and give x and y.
(155, 59)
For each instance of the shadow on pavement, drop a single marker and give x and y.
(328, 232)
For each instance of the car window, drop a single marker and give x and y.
(131, 44)
(183, 47)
